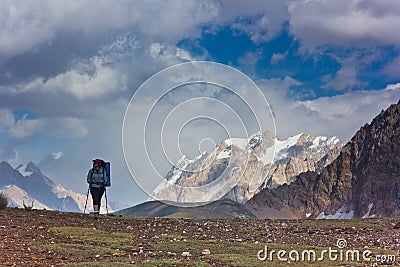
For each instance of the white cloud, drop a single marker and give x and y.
(277, 57)
(345, 22)
(249, 58)
(6, 119)
(267, 17)
(58, 155)
(393, 86)
(340, 115)
(183, 54)
(345, 77)
(14, 158)
(26, 25)
(104, 81)
(61, 127)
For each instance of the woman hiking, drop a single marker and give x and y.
(96, 179)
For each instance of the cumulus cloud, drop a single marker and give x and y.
(169, 53)
(267, 17)
(346, 76)
(6, 119)
(58, 155)
(27, 25)
(104, 81)
(345, 22)
(393, 86)
(277, 57)
(341, 115)
(60, 127)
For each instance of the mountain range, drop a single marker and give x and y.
(321, 178)
(27, 185)
(246, 166)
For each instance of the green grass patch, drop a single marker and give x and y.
(75, 249)
(93, 235)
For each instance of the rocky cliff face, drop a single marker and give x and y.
(364, 180)
(246, 166)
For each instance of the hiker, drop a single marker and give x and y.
(96, 179)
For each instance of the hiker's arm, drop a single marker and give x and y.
(88, 177)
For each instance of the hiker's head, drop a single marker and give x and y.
(97, 163)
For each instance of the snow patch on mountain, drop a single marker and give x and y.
(22, 169)
(226, 153)
(368, 214)
(342, 213)
(238, 142)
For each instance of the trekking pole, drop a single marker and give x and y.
(87, 196)
(105, 194)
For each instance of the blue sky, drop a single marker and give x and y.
(69, 70)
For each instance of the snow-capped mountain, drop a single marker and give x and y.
(27, 185)
(246, 166)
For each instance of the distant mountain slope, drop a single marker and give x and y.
(27, 184)
(224, 208)
(246, 166)
(364, 180)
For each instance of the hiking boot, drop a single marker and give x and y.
(96, 215)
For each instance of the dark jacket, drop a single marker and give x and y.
(96, 178)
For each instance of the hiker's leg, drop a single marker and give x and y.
(101, 192)
(96, 203)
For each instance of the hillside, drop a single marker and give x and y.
(50, 238)
(223, 209)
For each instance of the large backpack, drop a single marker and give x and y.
(107, 166)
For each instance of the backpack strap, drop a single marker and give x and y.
(91, 176)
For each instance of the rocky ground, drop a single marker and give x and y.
(52, 238)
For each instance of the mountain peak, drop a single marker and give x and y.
(5, 166)
(28, 169)
(31, 167)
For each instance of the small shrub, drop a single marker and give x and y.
(3, 201)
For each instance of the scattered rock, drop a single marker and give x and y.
(206, 252)
(186, 254)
